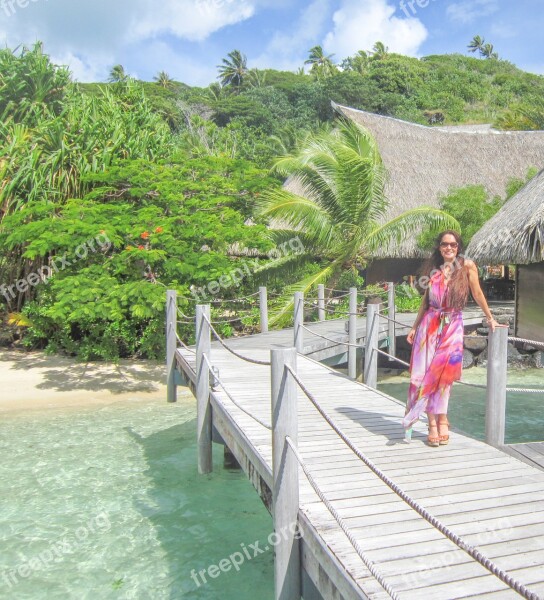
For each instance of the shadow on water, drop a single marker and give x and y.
(200, 520)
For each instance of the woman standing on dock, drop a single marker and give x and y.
(437, 334)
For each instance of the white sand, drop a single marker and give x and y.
(33, 380)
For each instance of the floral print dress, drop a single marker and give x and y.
(437, 355)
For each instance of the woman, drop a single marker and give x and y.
(437, 334)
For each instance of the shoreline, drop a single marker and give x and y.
(32, 381)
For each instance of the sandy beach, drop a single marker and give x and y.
(34, 381)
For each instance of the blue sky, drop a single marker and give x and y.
(188, 38)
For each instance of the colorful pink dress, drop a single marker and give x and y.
(437, 355)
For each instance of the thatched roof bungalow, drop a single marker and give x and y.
(515, 235)
(425, 162)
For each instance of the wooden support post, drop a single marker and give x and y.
(171, 344)
(203, 408)
(263, 302)
(371, 356)
(321, 302)
(299, 321)
(285, 492)
(495, 414)
(392, 314)
(352, 334)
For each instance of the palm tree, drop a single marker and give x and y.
(233, 70)
(357, 63)
(164, 80)
(118, 74)
(476, 44)
(256, 78)
(487, 52)
(340, 219)
(380, 51)
(322, 64)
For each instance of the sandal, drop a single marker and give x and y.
(444, 438)
(433, 440)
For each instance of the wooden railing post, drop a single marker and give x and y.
(371, 356)
(495, 414)
(171, 344)
(321, 302)
(299, 321)
(203, 408)
(263, 302)
(392, 314)
(285, 492)
(352, 334)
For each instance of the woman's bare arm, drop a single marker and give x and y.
(477, 294)
(422, 308)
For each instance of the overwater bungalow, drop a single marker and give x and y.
(515, 236)
(424, 163)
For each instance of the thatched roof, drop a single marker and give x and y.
(515, 235)
(425, 162)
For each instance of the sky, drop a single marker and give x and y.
(189, 38)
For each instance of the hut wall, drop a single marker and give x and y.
(529, 301)
(392, 269)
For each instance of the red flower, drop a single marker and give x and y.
(145, 235)
(159, 230)
(141, 247)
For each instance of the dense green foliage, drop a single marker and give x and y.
(152, 227)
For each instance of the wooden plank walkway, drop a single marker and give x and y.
(532, 454)
(320, 349)
(493, 500)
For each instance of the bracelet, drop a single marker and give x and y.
(492, 319)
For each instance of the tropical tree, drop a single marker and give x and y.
(487, 52)
(322, 64)
(380, 51)
(357, 63)
(118, 74)
(477, 44)
(164, 80)
(340, 217)
(233, 70)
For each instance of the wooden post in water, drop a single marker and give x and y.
(321, 302)
(392, 314)
(495, 414)
(263, 302)
(203, 408)
(171, 344)
(371, 356)
(299, 321)
(352, 334)
(285, 492)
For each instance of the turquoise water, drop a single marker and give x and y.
(524, 412)
(105, 502)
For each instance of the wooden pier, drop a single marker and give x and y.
(489, 498)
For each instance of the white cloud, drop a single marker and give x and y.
(359, 25)
(468, 11)
(92, 36)
(289, 48)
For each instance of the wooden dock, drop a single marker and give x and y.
(489, 498)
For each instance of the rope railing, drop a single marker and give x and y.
(524, 341)
(486, 562)
(369, 564)
(184, 344)
(233, 352)
(231, 398)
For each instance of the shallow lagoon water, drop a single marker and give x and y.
(105, 502)
(524, 412)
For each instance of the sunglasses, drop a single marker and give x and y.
(446, 244)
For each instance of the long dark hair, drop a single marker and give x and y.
(458, 287)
